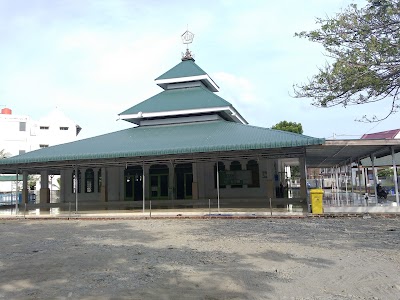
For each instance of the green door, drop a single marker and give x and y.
(133, 184)
(159, 186)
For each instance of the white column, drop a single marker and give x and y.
(396, 186)
(373, 173)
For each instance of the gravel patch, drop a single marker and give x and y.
(346, 258)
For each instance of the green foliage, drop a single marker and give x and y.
(385, 172)
(365, 47)
(289, 126)
(32, 180)
(295, 171)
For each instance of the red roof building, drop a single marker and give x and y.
(387, 135)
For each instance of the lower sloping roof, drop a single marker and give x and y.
(9, 178)
(168, 139)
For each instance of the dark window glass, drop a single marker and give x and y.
(252, 166)
(236, 166)
(89, 181)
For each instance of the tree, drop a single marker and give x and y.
(364, 45)
(385, 172)
(4, 154)
(289, 126)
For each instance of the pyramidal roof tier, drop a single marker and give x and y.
(188, 96)
(183, 102)
(186, 71)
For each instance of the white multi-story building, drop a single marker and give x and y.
(20, 133)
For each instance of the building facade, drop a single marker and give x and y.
(187, 146)
(20, 133)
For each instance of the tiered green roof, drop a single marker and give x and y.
(179, 99)
(186, 68)
(188, 138)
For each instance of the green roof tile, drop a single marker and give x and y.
(179, 99)
(185, 68)
(168, 139)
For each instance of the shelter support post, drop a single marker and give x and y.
(25, 193)
(359, 174)
(372, 156)
(44, 187)
(16, 192)
(270, 178)
(218, 185)
(104, 185)
(396, 185)
(195, 189)
(303, 178)
(144, 189)
(171, 181)
(351, 175)
(76, 187)
(146, 184)
(365, 174)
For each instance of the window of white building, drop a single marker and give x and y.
(22, 126)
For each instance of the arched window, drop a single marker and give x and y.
(252, 166)
(99, 181)
(236, 166)
(74, 182)
(89, 181)
(221, 170)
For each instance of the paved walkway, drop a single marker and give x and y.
(333, 203)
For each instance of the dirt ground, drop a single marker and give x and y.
(346, 258)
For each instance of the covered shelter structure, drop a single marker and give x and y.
(186, 145)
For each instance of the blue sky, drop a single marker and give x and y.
(95, 58)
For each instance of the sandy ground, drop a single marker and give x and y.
(201, 259)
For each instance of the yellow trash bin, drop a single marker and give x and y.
(316, 201)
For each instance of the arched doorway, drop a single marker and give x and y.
(133, 183)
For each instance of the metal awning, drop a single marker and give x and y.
(342, 152)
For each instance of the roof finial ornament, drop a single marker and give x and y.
(187, 38)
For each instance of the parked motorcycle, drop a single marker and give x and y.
(382, 194)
